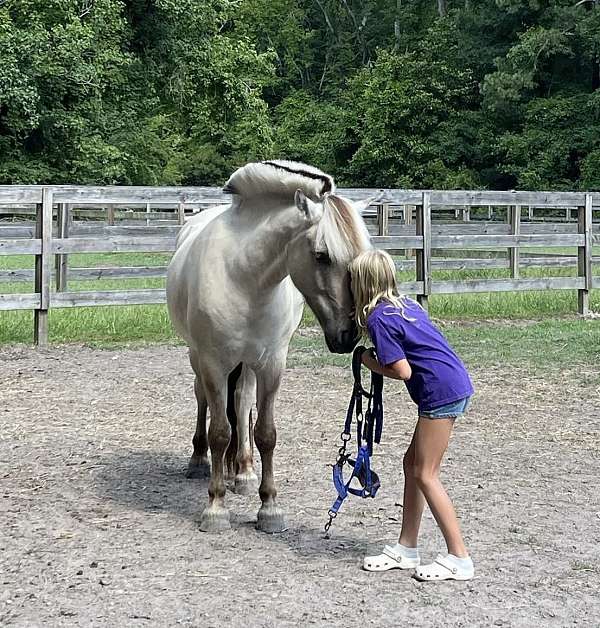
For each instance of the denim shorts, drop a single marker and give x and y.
(448, 411)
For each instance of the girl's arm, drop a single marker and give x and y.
(397, 370)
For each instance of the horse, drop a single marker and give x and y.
(236, 288)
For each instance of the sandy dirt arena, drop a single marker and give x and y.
(99, 526)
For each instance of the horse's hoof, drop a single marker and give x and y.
(271, 520)
(246, 484)
(215, 520)
(197, 470)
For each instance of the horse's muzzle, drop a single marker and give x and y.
(343, 342)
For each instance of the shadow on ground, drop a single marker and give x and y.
(151, 481)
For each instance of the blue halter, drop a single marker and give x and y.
(368, 430)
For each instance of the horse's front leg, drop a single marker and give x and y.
(246, 481)
(270, 517)
(215, 517)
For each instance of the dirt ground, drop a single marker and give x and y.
(99, 526)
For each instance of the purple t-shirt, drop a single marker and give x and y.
(438, 375)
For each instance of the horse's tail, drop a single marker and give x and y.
(231, 453)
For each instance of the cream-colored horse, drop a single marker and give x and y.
(235, 289)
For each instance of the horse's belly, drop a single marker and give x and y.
(235, 327)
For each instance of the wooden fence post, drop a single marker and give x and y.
(408, 219)
(515, 229)
(584, 255)
(383, 213)
(43, 231)
(423, 257)
(110, 215)
(62, 230)
(180, 213)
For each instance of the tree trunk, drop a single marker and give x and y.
(596, 61)
(591, 6)
(397, 25)
(441, 7)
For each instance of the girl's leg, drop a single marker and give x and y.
(430, 442)
(414, 502)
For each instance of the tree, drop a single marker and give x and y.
(106, 91)
(495, 93)
(542, 101)
(403, 105)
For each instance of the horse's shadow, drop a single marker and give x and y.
(150, 481)
(154, 481)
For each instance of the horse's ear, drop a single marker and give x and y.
(360, 206)
(311, 211)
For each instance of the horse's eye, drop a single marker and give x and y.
(322, 257)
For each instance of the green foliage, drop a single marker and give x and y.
(497, 93)
(558, 138)
(406, 103)
(315, 131)
(93, 93)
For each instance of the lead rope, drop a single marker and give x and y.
(368, 428)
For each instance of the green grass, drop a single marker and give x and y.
(99, 326)
(92, 260)
(548, 346)
(527, 304)
(103, 325)
(481, 326)
(539, 346)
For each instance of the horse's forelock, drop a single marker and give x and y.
(341, 230)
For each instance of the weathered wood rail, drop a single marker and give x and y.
(55, 234)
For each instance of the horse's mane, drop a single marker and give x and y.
(341, 231)
(279, 178)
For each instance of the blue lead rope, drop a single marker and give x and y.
(368, 431)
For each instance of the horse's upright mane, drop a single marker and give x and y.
(279, 178)
(341, 232)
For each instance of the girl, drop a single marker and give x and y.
(409, 347)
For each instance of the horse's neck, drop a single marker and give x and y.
(268, 233)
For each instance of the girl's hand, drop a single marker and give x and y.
(368, 355)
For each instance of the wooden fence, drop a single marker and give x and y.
(401, 223)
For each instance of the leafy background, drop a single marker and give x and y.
(498, 94)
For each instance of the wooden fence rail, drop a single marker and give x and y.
(54, 234)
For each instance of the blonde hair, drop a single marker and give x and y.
(373, 275)
(341, 231)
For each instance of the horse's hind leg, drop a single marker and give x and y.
(246, 481)
(270, 516)
(198, 466)
(215, 517)
(232, 449)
